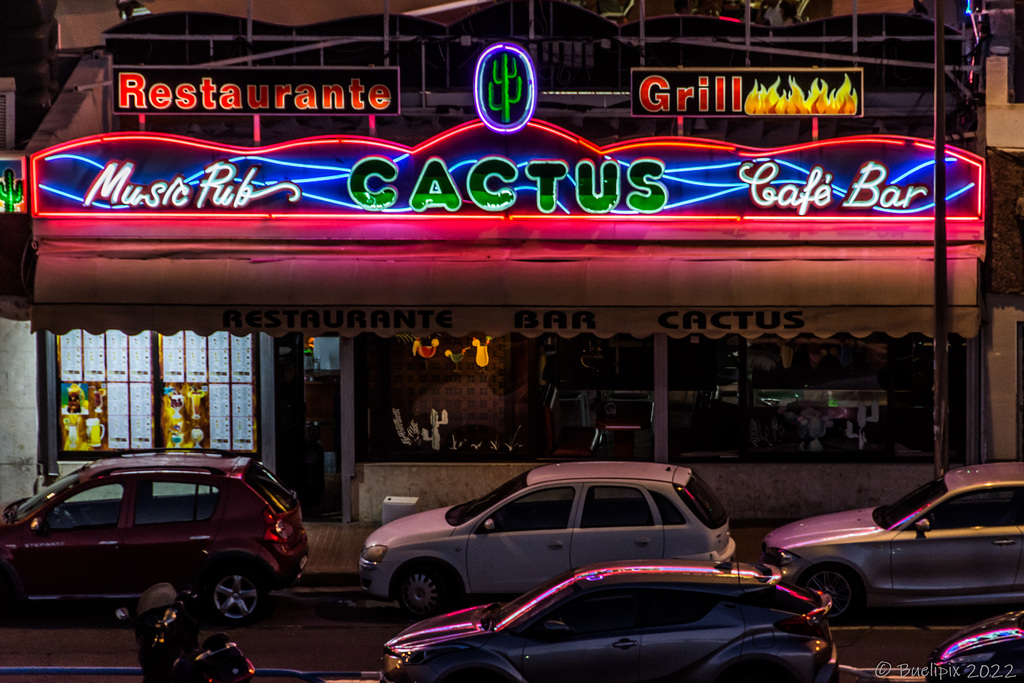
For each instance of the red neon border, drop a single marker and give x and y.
(694, 143)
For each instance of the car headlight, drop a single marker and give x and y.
(780, 557)
(425, 654)
(374, 553)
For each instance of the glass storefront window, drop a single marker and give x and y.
(816, 395)
(841, 396)
(444, 397)
(605, 395)
(148, 390)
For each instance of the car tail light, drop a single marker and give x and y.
(277, 530)
(813, 624)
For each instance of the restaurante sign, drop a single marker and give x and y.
(292, 91)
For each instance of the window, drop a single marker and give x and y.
(670, 514)
(703, 502)
(599, 612)
(441, 397)
(545, 509)
(99, 506)
(615, 506)
(278, 496)
(987, 508)
(669, 607)
(158, 502)
(185, 390)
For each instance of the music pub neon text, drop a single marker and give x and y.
(220, 186)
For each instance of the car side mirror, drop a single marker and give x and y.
(557, 627)
(37, 525)
(488, 525)
(921, 526)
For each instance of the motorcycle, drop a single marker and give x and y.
(168, 640)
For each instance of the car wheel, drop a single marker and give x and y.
(840, 584)
(423, 591)
(236, 595)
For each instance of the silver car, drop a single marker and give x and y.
(541, 523)
(687, 622)
(955, 540)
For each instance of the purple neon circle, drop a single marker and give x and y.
(531, 83)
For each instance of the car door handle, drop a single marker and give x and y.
(624, 644)
(556, 545)
(1004, 541)
(642, 541)
(199, 538)
(107, 543)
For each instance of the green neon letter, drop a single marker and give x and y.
(586, 196)
(650, 195)
(547, 173)
(484, 170)
(435, 188)
(373, 167)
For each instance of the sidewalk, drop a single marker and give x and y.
(334, 548)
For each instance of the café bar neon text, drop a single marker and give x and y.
(472, 172)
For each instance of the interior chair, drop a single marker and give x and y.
(566, 441)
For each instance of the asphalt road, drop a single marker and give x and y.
(340, 631)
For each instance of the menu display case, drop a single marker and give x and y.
(150, 390)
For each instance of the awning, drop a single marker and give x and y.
(390, 289)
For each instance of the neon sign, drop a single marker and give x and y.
(505, 88)
(828, 93)
(844, 184)
(12, 185)
(292, 91)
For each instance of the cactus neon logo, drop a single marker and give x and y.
(12, 192)
(505, 88)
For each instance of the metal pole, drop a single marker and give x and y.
(387, 33)
(941, 407)
(643, 32)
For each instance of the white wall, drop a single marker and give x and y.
(1002, 369)
(18, 410)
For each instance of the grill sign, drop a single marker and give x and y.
(748, 92)
(336, 91)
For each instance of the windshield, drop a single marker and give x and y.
(702, 502)
(527, 604)
(894, 514)
(279, 497)
(462, 513)
(30, 506)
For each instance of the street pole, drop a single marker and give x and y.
(941, 349)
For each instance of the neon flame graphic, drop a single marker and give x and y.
(820, 100)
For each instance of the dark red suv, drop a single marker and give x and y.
(221, 524)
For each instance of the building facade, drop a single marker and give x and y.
(430, 304)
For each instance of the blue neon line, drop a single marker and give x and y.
(328, 200)
(76, 157)
(61, 193)
(926, 164)
(279, 162)
(953, 195)
(683, 181)
(701, 199)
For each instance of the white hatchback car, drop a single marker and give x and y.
(541, 523)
